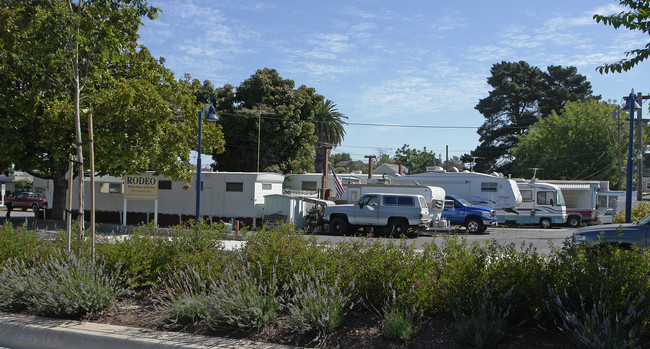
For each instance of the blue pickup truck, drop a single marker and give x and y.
(476, 219)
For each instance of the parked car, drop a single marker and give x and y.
(392, 213)
(25, 200)
(623, 235)
(476, 219)
(606, 215)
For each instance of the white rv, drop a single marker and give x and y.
(542, 204)
(482, 189)
(434, 196)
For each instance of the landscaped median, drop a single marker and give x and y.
(282, 286)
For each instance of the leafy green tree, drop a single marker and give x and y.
(334, 158)
(454, 161)
(329, 126)
(521, 95)
(578, 143)
(415, 160)
(286, 131)
(637, 18)
(71, 58)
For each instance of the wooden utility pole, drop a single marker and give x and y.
(326, 154)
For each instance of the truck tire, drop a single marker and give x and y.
(545, 223)
(35, 207)
(398, 227)
(473, 225)
(339, 226)
(573, 221)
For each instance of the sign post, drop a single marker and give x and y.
(138, 187)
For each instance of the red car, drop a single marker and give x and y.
(26, 200)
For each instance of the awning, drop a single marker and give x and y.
(573, 186)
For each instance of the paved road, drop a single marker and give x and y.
(539, 238)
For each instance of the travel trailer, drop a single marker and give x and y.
(491, 190)
(542, 204)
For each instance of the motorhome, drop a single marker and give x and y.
(491, 190)
(542, 204)
(581, 199)
(434, 196)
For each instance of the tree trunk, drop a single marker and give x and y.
(60, 190)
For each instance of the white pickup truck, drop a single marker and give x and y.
(393, 213)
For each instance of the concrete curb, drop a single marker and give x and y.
(26, 332)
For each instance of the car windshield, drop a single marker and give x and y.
(645, 220)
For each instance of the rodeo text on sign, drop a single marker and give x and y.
(140, 187)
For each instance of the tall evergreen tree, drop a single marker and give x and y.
(521, 95)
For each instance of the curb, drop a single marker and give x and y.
(26, 332)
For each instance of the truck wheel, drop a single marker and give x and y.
(338, 226)
(35, 207)
(574, 221)
(398, 227)
(473, 226)
(545, 223)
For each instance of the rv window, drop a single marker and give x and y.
(526, 195)
(312, 186)
(110, 188)
(165, 185)
(234, 186)
(267, 186)
(489, 186)
(545, 198)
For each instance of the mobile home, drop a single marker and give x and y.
(224, 195)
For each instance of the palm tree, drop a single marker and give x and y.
(329, 127)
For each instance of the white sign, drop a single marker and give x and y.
(140, 187)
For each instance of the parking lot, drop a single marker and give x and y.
(537, 237)
(540, 239)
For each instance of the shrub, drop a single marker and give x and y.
(315, 305)
(282, 252)
(184, 298)
(377, 267)
(242, 300)
(19, 242)
(400, 322)
(484, 324)
(638, 211)
(594, 323)
(60, 286)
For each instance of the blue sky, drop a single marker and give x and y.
(423, 64)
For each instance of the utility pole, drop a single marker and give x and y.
(325, 147)
(370, 158)
(640, 146)
(616, 116)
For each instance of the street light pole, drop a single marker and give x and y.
(630, 105)
(212, 116)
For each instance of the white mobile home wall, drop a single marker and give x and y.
(224, 195)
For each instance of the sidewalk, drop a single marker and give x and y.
(26, 332)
